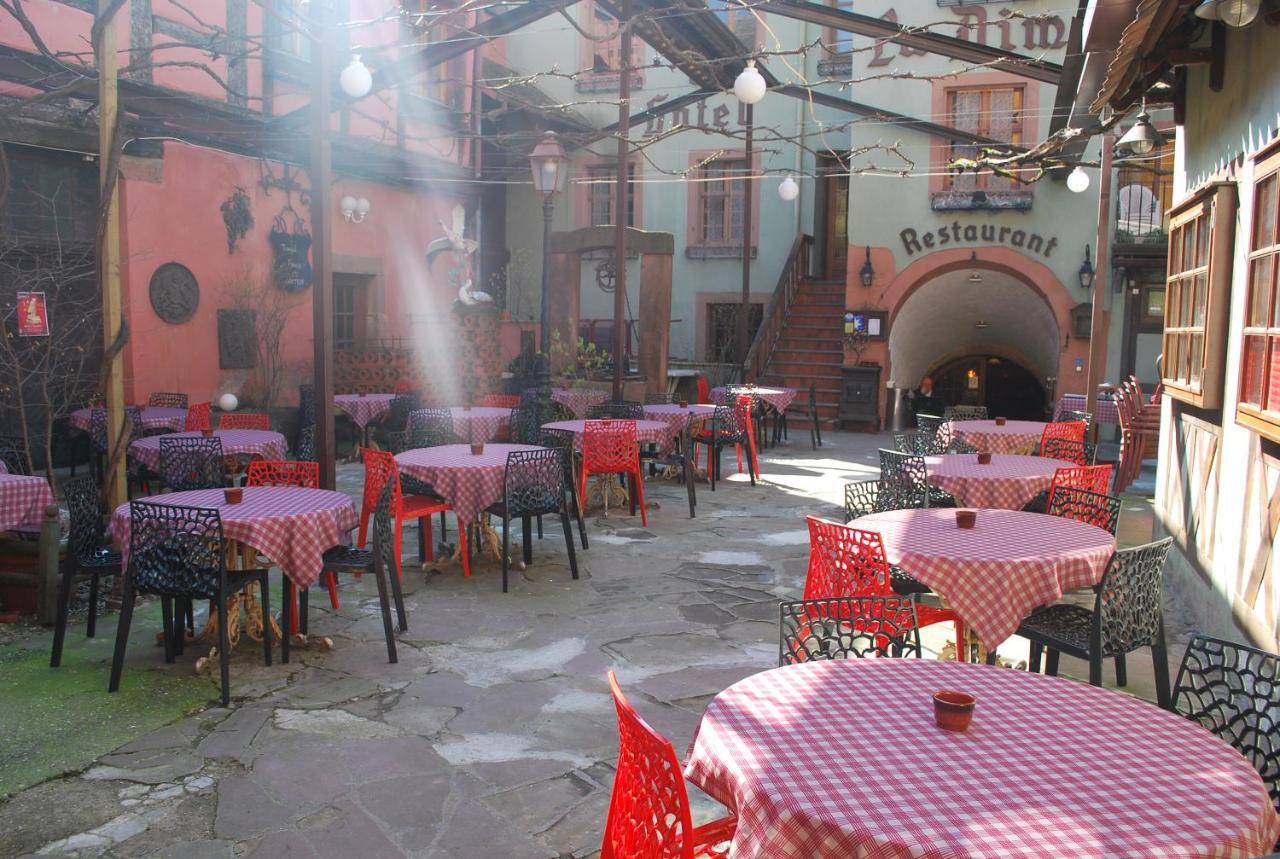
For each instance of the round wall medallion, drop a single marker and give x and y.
(174, 293)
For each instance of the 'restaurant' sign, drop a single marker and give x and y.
(914, 242)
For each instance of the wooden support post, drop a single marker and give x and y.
(1100, 320)
(49, 573)
(109, 249)
(744, 310)
(322, 240)
(620, 206)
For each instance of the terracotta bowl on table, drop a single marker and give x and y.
(953, 710)
(233, 495)
(984, 458)
(207, 433)
(477, 448)
(1001, 421)
(966, 518)
(684, 404)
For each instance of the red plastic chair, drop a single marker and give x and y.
(1095, 478)
(245, 421)
(198, 418)
(1069, 430)
(304, 475)
(704, 390)
(610, 447)
(850, 562)
(500, 401)
(379, 467)
(649, 815)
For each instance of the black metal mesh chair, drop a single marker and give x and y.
(1233, 691)
(623, 410)
(1073, 415)
(534, 394)
(964, 413)
(678, 455)
(1127, 614)
(179, 554)
(526, 423)
(396, 418)
(13, 453)
(847, 627)
(726, 428)
(533, 485)
(661, 399)
(306, 406)
(914, 442)
(380, 561)
(562, 440)
(904, 483)
(98, 432)
(168, 400)
(864, 498)
(87, 557)
(191, 463)
(431, 428)
(1082, 505)
(305, 447)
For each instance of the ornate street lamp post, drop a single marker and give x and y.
(550, 170)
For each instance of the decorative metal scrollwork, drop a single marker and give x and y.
(175, 294)
(606, 274)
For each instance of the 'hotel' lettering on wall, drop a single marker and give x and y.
(913, 242)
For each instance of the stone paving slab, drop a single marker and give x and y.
(495, 735)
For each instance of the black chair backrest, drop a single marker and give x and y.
(1085, 506)
(526, 423)
(98, 427)
(1233, 691)
(1128, 604)
(401, 407)
(915, 442)
(1065, 448)
(728, 425)
(534, 394)
(384, 533)
(88, 530)
(657, 399)
(13, 454)
(175, 551)
(534, 482)
(861, 499)
(306, 447)
(965, 413)
(306, 405)
(935, 430)
(1073, 415)
(844, 627)
(191, 463)
(904, 480)
(431, 428)
(622, 410)
(167, 400)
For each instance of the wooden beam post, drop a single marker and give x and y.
(744, 310)
(620, 206)
(109, 250)
(322, 241)
(1100, 319)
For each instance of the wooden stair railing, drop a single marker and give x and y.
(794, 272)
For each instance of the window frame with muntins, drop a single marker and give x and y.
(1259, 409)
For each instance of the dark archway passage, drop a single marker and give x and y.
(1005, 387)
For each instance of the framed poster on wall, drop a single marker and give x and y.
(873, 323)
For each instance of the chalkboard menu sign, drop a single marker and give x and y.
(291, 250)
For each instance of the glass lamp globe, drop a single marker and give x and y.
(1078, 180)
(788, 189)
(347, 204)
(228, 402)
(362, 206)
(1237, 13)
(355, 80)
(749, 86)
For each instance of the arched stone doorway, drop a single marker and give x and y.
(986, 336)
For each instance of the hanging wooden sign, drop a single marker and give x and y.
(33, 315)
(291, 250)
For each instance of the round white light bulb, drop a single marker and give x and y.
(1078, 180)
(1238, 13)
(788, 189)
(749, 86)
(347, 204)
(355, 80)
(362, 206)
(228, 402)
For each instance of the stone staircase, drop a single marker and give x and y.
(810, 346)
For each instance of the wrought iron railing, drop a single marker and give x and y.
(794, 271)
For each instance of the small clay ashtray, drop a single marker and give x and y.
(953, 710)
(966, 518)
(466, 408)
(1001, 421)
(684, 404)
(207, 433)
(984, 458)
(364, 393)
(233, 495)
(477, 449)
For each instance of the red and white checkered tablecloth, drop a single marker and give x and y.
(647, 432)
(839, 759)
(676, 417)
(22, 502)
(468, 482)
(1008, 482)
(293, 527)
(364, 409)
(153, 417)
(1103, 413)
(266, 444)
(995, 573)
(579, 400)
(1015, 437)
(779, 398)
(479, 423)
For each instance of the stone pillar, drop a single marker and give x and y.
(655, 321)
(566, 280)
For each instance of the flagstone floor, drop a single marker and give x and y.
(494, 736)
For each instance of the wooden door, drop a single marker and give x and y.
(835, 217)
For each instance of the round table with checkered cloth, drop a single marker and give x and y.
(833, 759)
(22, 502)
(153, 418)
(469, 482)
(676, 417)
(479, 423)
(578, 400)
(647, 432)
(1015, 437)
(1007, 482)
(364, 408)
(264, 444)
(995, 573)
(291, 526)
(778, 398)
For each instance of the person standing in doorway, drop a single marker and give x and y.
(924, 401)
